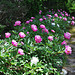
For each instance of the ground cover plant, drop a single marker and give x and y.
(37, 46)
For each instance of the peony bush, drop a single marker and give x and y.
(37, 46)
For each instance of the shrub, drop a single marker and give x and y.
(36, 47)
(71, 6)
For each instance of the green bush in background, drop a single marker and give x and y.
(71, 6)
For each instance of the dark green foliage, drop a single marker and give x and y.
(55, 4)
(71, 6)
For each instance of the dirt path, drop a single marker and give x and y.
(71, 58)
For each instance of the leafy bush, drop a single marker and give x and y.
(12, 10)
(36, 47)
(55, 4)
(71, 6)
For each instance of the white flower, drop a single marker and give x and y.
(64, 72)
(6, 44)
(53, 24)
(34, 60)
(58, 25)
(47, 73)
(68, 21)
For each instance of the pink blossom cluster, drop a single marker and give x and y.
(68, 49)
(45, 30)
(64, 43)
(52, 31)
(22, 43)
(49, 16)
(40, 19)
(22, 35)
(56, 15)
(20, 51)
(58, 10)
(72, 17)
(38, 39)
(34, 28)
(50, 38)
(32, 17)
(65, 19)
(17, 23)
(27, 22)
(27, 32)
(40, 11)
(72, 22)
(44, 18)
(42, 26)
(14, 43)
(60, 17)
(67, 35)
(53, 20)
(49, 10)
(7, 35)
(66, 14)
(24, 28)
(31, 20)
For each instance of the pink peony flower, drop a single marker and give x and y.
(27, 22)
(40, 12)
(45, 30)
(64, 42)
(17, 23)
(24, 28)
(60, 17)
(52, 9)
(31, 20)
(22, 43)
(38, 39)
(7, 35)
(66, 14)
(27, 32)
(67, 35)
(44, 18)
(42, 26)
(53, 20)
(65, 19)
(22, 35)
(32, 17)
(58, 10)
(34, 28)
(50, 38)
(20, 51)
(72, 22)
(53, 31)
(61, 13)
(55, 37)
(56, 15)
(49, 16)
(68, 49)
(49, 10)
(72, 18)
(40, 19)
(14, 43)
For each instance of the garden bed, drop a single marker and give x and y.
(37, 46)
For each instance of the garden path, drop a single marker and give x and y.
(71, 58)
